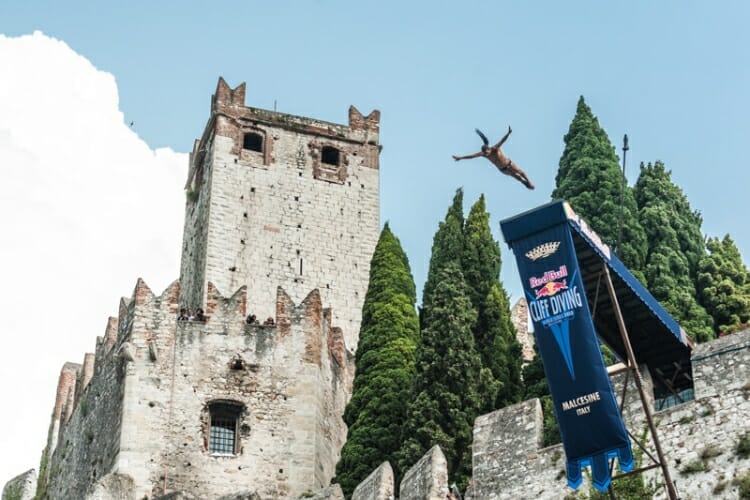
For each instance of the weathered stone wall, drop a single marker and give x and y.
(87, 449)
(378, 485)
(195, 231)
(519, 316)
(21, 487)
(291, 378)
(139, 428)
(698, 438)
(283, 217)
(718, 366)
(427, 479)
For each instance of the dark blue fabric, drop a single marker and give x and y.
(558, 211)
(590, 423)
(631, 281)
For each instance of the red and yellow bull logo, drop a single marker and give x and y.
(551, 288)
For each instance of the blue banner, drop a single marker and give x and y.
(587, 411)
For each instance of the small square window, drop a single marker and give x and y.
(253, 142)
(223, 425)
(330, 156)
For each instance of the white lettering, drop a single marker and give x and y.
(584, 400)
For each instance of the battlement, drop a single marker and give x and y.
(510, 462)
(276, 199)
(231, 102)
(118, 411)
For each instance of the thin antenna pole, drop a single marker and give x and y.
(625, 149)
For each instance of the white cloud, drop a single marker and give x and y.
(86, 208)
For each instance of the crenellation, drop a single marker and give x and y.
(85, 374)
(265, 218)
(110, 333)
(427, 479)
(147, 407)
(377, 486)
(711, 379)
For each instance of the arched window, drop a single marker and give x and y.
(223, 436)
(330, 156)
(253, 142)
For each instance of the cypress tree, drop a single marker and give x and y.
(655, 185)
(674, 242)
(724, 285)
(494, 334)
(447, 245)
(590, 179)
(445, 398)
(384, 366)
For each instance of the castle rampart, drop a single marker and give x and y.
(142, 424)
(699, 439)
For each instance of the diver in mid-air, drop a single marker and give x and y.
(498, 158)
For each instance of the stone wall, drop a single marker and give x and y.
(21, 487)
(139, 428)
(698, 437)
(379, 484)
(85, 446)
(282, 217)
(519, 316)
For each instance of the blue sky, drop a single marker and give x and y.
(673, 75)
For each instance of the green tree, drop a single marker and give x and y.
(384, 366)
(590, 179)
(724, 285)
(447, 246)
(494, 334)
(445, 398)
(674, 242)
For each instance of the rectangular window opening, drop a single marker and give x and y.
(222, 439)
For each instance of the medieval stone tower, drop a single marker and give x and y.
(282, 219)
(275, 199)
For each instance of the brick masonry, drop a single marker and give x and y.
(282, 216)
(140, 427)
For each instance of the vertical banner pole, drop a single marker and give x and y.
(637, 378)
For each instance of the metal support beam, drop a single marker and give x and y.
(671, 491)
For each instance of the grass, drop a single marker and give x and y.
(742, 449)
(694, 467)
(743, 482)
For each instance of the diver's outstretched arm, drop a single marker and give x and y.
(468, 157)
(505, 138)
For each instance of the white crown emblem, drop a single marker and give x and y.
(543, 250)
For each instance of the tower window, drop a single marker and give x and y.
(223, 425)
(253, 142)
(330, 156)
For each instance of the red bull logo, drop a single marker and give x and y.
(548, 277)
(551, 288)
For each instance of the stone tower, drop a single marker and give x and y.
(282, 218)
(281, 200)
